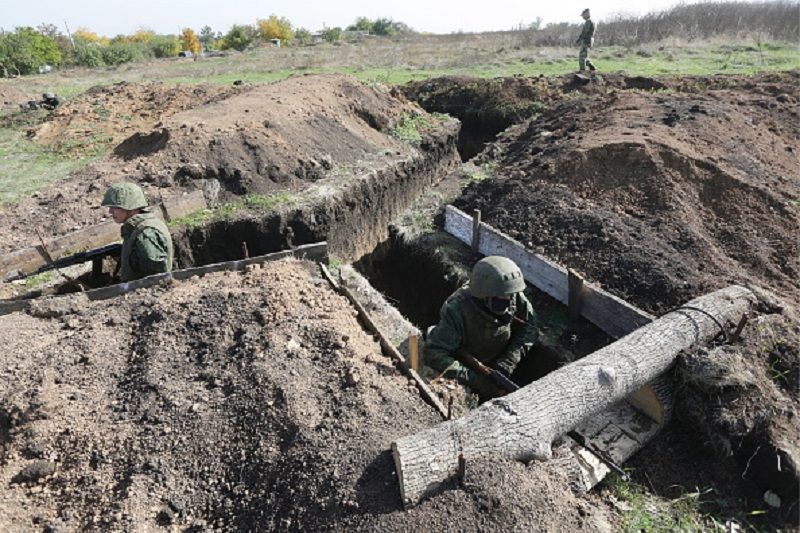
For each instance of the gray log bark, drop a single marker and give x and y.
(523, 425)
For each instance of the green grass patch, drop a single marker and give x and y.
(649, 513)
(37, 280)
(227, 210)
(410, 127)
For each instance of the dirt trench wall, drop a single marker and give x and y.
(353, 219)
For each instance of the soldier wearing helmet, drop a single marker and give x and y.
(146, 242)
(491, 318)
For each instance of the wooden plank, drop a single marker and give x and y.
(610, 313)
(29, 259)
(312, 252)
(476, 234)
(413, 352)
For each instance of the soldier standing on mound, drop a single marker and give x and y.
(146, 242)
(585, 41)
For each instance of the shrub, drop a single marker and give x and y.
(275, 28)
(238, 37)
(85, 35)
(119, 52)
(207, 37)
(88, 54)
(165, 46)
(25, 50)
(332, 35)
(302, 36)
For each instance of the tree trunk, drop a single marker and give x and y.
(523, 425)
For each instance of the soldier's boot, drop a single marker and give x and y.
(591, 66)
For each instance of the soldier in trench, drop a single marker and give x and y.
(586, 40)
(146, 242)
(491, 319)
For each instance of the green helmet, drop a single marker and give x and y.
(124, 195)
(48, 96)
(495, 276)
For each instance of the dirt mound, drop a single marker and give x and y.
(485, 107)
(271, 135)
(238, 401)
(109, 114)
(653, 195)
(11, 97)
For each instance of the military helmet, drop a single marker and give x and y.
(48, 96)
(495, 276)
(585, 12)
(124, 195)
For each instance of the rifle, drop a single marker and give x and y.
(74, 259)
(509, 386)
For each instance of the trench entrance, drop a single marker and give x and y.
(418, 276)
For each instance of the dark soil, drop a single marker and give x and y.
(237, 402)
(661, 197)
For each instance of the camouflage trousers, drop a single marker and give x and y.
(583, 59)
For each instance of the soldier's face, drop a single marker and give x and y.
(118, 214)
(585, 16)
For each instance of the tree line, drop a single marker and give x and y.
(26, 50)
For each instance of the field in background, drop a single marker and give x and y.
(26, 167)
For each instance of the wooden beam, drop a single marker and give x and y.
(312, 252)
(610, 313)
(413, 352)
(476, 231)
(575, 294)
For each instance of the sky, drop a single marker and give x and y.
(112, 17)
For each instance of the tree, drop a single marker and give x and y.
(275, 28)
(383, 26)
(332, 35)
(190, 42)
(207, 37)
(25, 50)
(238, 37)
(142, 36)
(302, 36)
(361, 24)
(83, 34)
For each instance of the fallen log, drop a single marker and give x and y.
(523, 424)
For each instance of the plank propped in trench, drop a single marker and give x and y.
(312, 252)
(610, 313)
(29, 259)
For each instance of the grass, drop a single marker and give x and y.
(37, 280)
(227, 210)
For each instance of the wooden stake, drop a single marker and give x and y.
(476, 231)
(575, 294)
(413, 352)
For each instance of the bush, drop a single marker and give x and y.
(25, 50)
(120, 52)
(207, 38)
(302, 36)
(88, 54)
(332, 35)
(165, 46)
(238, 37)
(275, 28)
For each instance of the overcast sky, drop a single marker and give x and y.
(112, 17)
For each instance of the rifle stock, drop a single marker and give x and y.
(74, 259)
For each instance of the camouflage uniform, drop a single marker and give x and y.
(465, 322)
(146, 242)
(146, 247)
(585, 40)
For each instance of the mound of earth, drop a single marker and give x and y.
(11, 97)
(109, 114)
(661, 197)
(245, 401)
(485, 107)
(263, 139)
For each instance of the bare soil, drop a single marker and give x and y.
(239, 401)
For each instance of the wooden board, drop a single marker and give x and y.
(610, 313)
(29, 259)
(312, 252)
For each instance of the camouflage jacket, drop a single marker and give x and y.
(146, 247)
(587, 33)
(464, 322)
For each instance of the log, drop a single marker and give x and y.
(523, 424)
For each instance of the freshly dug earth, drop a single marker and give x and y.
(238, 401)
(661, 197)
(110, 114)
(261, 139)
